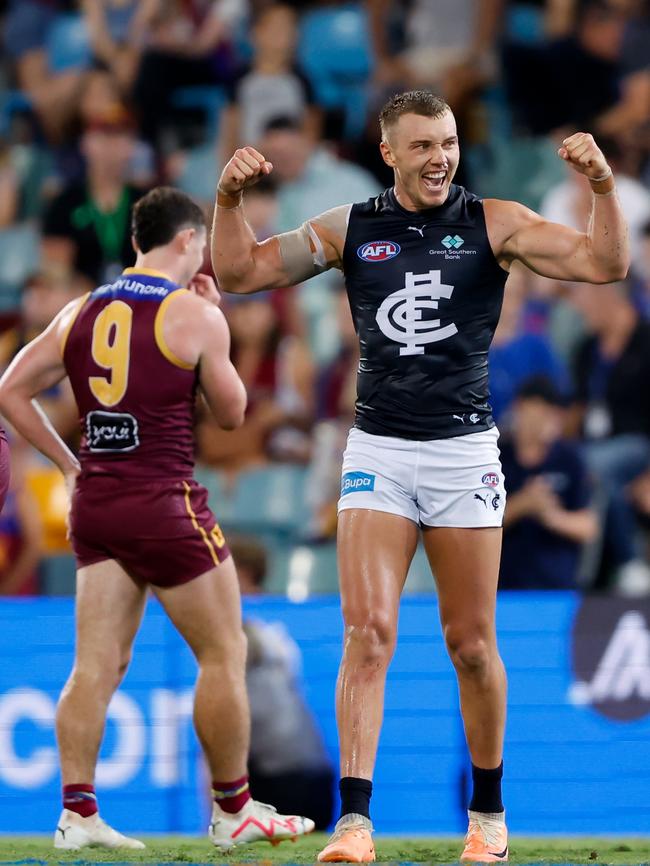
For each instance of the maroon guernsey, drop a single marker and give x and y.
(135, 397)
(135, 500)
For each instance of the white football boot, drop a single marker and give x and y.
(255, 822)
(73, 832)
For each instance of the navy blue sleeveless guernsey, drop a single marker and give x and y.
(425, 292)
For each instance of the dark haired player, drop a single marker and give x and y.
(136, 351)
(425, 264)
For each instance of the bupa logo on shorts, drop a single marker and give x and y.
(378, 251)
(355, 482)
(490, 479)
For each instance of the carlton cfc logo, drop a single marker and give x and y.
(378, 251)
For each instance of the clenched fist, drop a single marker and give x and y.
(583, 154)
(244, 169)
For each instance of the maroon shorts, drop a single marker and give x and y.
(5, 467)
(160, 532)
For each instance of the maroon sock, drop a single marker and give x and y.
(80, 799)
(231, 796)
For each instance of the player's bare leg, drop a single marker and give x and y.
(465, 563)
(375, 550)
(207, 612)
(109, 609)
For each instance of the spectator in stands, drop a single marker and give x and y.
(87, 227)
(449, 45)
(312, 176)
(612, 371)
(271, 86)
(548, 517)
(276, 368)
(273, 359)
(44, 295)
(517, 353)
(640, 277)
(118, 30)
(9, 186)
(616, 102)
(288, 764)
(188, 46)
(21, 531)
(52, 93)
(99, 97)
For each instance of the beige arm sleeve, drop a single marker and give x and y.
(302, 250)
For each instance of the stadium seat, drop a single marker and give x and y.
(519, 168)
(335, 52)
(57, 575)
(419, 577)
(68, 44)
(524, 23)
(301, 571)
(18, 253)
(205, 98)
(270, 499)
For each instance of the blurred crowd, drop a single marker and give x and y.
(102, 99)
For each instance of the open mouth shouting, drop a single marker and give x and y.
(434, 181)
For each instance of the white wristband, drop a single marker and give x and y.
(230, 195)
(605, 176)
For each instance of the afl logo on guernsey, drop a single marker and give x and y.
(378, 251)
(491, 479)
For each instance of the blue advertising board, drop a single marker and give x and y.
(577, 757)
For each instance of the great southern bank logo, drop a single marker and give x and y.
(452, 243)
(355, 482)
(400, 317)
(378, 251)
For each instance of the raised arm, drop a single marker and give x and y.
(36, 368)
(600, 254)
(241, 264)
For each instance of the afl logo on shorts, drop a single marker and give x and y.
(490, 479)
(378, 251)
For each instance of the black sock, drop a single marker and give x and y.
(486, 794)
(355, 796)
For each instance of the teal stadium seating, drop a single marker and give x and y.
(68, 44)
(19, 245)
(335, 52)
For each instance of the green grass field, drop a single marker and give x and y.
(179, 849)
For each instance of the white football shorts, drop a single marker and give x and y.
(442, 482)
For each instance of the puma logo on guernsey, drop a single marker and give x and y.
(418, 229)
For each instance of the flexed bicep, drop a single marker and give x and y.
(549, 249)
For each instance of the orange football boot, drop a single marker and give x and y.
(351, 842)
(486, 840)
